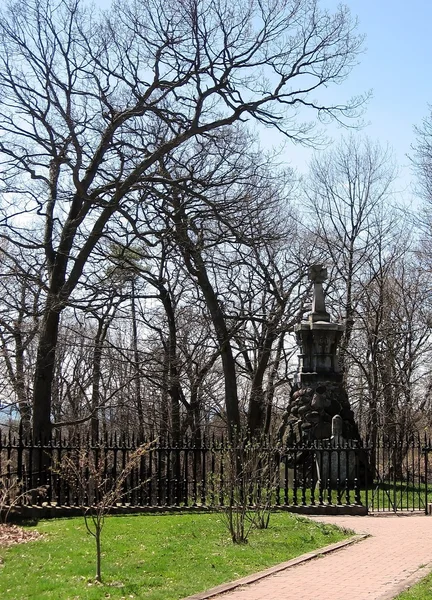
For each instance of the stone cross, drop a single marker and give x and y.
(318, 274)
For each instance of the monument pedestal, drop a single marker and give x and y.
(336, 463)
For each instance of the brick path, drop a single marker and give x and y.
(398, 553)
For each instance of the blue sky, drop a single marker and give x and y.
(397, 66)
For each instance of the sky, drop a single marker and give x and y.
(397, 67)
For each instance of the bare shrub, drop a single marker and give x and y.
(87, 474)
(251, 476)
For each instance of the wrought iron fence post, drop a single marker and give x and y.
(20, 448)
(367, 478)
(426, 459)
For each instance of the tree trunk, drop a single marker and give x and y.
(228, 362)
(137, 374)
(197, 268)
(44, 372)
(174, 386)
(98, 553)
(23, 401)
(257, 408)
(271, 384)
(96, 377)
(163, 425)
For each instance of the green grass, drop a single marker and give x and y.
(403, 496)
(380, 496)
(420, 591)
(153, 557)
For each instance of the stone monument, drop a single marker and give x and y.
(318, 393)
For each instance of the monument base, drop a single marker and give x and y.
(314, 403)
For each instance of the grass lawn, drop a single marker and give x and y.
(421, 591)
(380, 497)
(153, 557)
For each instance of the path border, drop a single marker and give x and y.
(227, 587)
(408, 583)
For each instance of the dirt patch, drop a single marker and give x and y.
(12, 534)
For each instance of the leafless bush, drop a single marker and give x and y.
(11, 495)
(87, 474)
(251, 476)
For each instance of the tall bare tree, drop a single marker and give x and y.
(349, 191)
(20, 293)
(422, 158)
(91, 102)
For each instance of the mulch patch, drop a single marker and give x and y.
(12, 534)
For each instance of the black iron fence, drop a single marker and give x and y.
(385, 476)
(400, 478)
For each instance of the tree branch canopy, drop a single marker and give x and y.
(92, 101)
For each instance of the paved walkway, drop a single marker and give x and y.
(398, 553)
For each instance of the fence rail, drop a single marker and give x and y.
(173, 475)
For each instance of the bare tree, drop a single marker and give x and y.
(348, 192)
(422, 158)
(269, 285)
(91, 102)
(87, 473)
(422, 164)
(394, 344)
(228, 221)
(20, 292)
